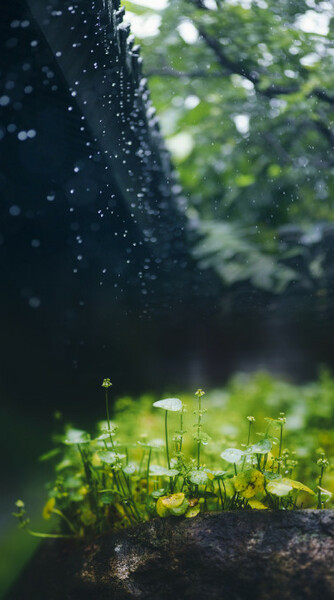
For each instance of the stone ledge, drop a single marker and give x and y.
(250, 555)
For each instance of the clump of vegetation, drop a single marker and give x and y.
(105, 482)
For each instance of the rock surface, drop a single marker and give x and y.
(253, 555)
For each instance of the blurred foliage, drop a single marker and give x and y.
(309, 411)
(243, 89)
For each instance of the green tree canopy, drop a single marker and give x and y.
(244, 91)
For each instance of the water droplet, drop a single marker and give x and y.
(4, 100)
(34, 302)
(22, 136)
(14, 210)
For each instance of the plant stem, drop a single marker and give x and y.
(248, 440)
(280, 448)
(107, 408)
(93, 500)
(166, 438)
(181, 429)
(220, 494)
(199, 425)
(141, 462)
(319, 484)
(50, 535)
(148, 472)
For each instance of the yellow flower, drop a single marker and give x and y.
(48, 508)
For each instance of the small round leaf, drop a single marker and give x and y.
(198, 477)
(232, 455)
(172, 404)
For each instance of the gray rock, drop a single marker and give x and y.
(234, 555)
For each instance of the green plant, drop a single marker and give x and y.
(104, 482)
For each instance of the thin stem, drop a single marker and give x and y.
(49, 535)
(220, 494)
(280, 448)
(88, 474)
(107, 408)
(148, 472)
(141, 462)
(128, 483)
(225, 494)
(248, 441)
(108, 419)
(166, 438)
(199, 425)
(249, 432)
(320, 484)
(181, 430)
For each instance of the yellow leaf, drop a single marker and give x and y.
(48, 508)
(248, 483)
(298, 486)
(162, 510)
(192, 512)
(267, 461)
(173, 501)
(256, 504)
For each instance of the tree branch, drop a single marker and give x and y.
(170, 72)
(233, 67)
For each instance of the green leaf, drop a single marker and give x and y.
(198, 477)
(232, 455)
(110, 458)
(170, 404)
(76, 436)
(219, 474)
(158, 493)
(157, 444)
(271, 476)
(180, 510)
(107, 498)
(105, 435)
(324, 494)
(278, 488)
(72, 483)
(49, 455)
(262, 447)
(130, 469)
(160, 471)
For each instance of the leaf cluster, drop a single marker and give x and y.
(120, 475)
